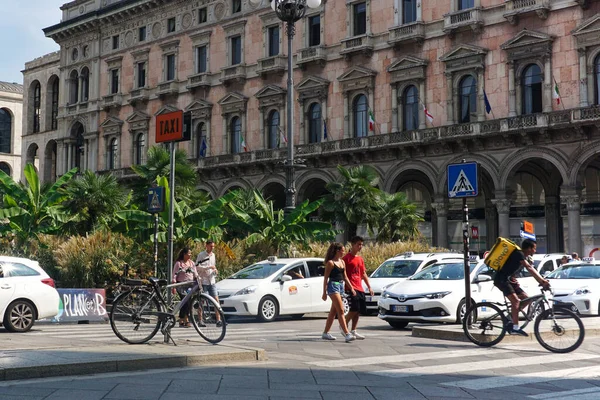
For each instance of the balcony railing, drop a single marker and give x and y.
(311, 54)
(413, 32)
(139, 94)
(167, 88)
(198, 80)
(473, 130)
(514, 8)
(357, 44)
(271, 65)
(233, 73)
(470, 18)
(112, 100)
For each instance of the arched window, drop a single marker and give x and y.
(273, 129)
(597, 79)
(54, 105)
(236, 133)
(85, 84)
(113, 151)
(201, 145)
(5, 131)
(467, 99)
(532, 89)
(360, 116)
(140, 149)
(314, 123)
(73, 87)
(37, 105)
(4, 167)
(411, 108)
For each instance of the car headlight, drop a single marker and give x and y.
(246, 290)
(437, 295)
(385, 294)
(582, 290)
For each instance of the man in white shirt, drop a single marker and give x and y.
(207, 270)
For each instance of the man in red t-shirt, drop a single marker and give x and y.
(356, 272)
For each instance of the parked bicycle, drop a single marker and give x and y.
(138, 313)
(556, 327)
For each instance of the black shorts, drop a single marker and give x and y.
(358, 303)
(509, 287)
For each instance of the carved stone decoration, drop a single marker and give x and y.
(233, 103)
(111, 126)
(138, 121)
(271, 95)
(588, 33)
(81, 9)
(128, 38)
(464, 57)
(252, 5)
(528, 44)
(357, 78)
(156, 30)
(441, 209)
(313, 87)
(407, 69)
(166, 109)
(186, 20)
(573, 202)
(502, 205)
(200, 109)
(220, 10)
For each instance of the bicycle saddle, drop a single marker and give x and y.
(160, 282)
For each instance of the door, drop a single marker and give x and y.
(295, 295)
(547, 267)
(7, 289)
(316, 270)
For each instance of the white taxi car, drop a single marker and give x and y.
(437, 294)
(400, 268)
(578, 283)
(277, 286)
(27, 294)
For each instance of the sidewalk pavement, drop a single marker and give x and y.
(24, 356)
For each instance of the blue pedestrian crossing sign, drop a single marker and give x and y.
(462, 180)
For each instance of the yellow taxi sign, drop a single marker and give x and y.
(528, 227)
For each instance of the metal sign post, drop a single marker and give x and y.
(463, 183)
(156, 204)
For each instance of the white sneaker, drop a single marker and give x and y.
(327, 336)
(357, 335)
(349, 337)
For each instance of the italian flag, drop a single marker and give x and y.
(371, 121)
(243, 143)
(556, 93)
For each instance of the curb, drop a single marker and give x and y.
(153, 362)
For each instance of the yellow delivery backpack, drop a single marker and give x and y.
(500, 252)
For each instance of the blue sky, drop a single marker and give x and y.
(21, 36)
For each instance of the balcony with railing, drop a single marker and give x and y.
(516, 8)
(269, 65)
(139, 95)
(112, 101)
(167, 89)
(524, 124)
(233, 73)
(357, 44)
(463, 19)
(407, 33)
(311, 54)
(198, 81)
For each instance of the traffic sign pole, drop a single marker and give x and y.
(171, 217)
(466, 250)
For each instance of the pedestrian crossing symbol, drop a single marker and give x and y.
(462, 180)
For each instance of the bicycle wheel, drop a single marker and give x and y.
(134, 316)
(484, 324)
(559, 330)
(208, 318)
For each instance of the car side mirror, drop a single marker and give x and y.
(285, 278)
(483, 278)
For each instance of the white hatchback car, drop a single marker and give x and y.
(267, 289)
(399, 268)
(578, 283)
(27, 294)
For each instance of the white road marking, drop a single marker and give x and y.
(577, 394)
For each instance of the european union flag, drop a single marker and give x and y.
(488, 106)
(203, 148)
(324, 130)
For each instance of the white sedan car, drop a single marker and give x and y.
(27, 294)
(578, 283)
(436, 294)
(267, 289)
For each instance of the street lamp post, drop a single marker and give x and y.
(290, 11)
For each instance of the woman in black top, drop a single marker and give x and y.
(333, 285)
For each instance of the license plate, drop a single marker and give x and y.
(369, 298)
(400, 308)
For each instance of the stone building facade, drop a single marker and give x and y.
(485, 71)
(11, 115)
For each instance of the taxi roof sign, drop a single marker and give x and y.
(588, 259)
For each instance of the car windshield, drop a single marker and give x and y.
(576, 271)
(396, 269)
(442, 272)
(257, 271)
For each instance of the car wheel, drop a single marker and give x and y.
(19, 316)
(268, 309)
(398, 324)
(461, 310)
(346, 304)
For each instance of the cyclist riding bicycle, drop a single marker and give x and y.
(505, 281)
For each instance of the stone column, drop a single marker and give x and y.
(261, 128)
(573, 201)
(491, 224)
(225, 149)
(503, 207)
(69, 156)
(347, 114)
(422, 118)
(480, 97)
(395, 109)
(552, 224)
(547, 84)
(583, 87)
(449, 102)
(441, 212)
(512, 94)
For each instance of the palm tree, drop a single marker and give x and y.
(354, 199)
(398, 218)
(30, 209)
(94, 201)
